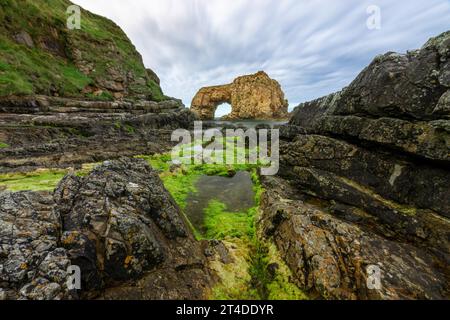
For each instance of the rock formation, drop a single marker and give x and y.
(364, 175)
(117, 224)
(365, 180)
(251, 97)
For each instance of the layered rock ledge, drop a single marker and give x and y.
(41, 131)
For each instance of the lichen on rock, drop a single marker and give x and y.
(118, 224)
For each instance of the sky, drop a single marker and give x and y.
(312, 47)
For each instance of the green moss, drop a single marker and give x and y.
(104, 96)
(221, 224)
(125, 127)
(159, 162)
(234, 277)
(129, 128)
(180, 186)
(3, 145)
(181, 182)
(43, 180)
(276, 284)
(39, 180)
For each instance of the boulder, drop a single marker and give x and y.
(118, 224)
(400, 102)
(32, 264)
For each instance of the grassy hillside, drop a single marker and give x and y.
(97, 61)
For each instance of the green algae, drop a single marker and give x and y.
(39, 180)
(3, 145)
(248, 276)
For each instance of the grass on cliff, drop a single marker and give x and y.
(248, 276)
(49, 67)
(156, 92)
(26, 71)
(3, 145)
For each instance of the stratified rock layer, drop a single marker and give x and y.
(251, 97)
(364, 181)
(118, 224)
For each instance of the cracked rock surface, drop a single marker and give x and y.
(118, 224)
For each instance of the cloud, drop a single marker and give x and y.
(312, 47)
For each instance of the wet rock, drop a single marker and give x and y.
(392, 103)
(114, 217)
(43, 133)
(272, 269)
(397, 179)
(443, 105)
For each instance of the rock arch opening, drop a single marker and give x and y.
(222, 110)
(254, 96)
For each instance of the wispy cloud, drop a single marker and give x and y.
(312, 47)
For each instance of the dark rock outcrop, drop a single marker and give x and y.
(398, 101)
(364, 180)
(32, 264)
(118, 224)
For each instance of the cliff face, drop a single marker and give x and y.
(366, 173)
(251, 97)
(39, 55)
